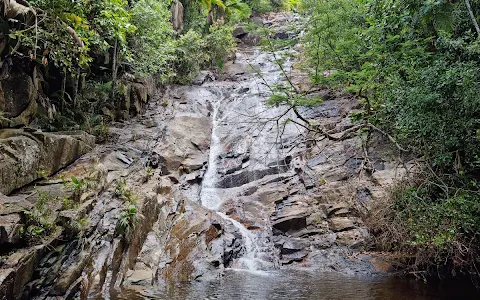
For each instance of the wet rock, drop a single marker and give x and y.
(281, 36)
(233, 70)
(194, 177)
(195, 163)
(21, 265)
(292, 245)
(245, 176)
(69, 275)
(251, 39)
(293, 257)
(239, 31)
(140, 277)
(204, 76)
(305, 233)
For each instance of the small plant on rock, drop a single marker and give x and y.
(149, 173)
(40, 221)
(129, 215)
(78, 185)
(67, 203)
(127, 220)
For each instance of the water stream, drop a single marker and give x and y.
(210, 198)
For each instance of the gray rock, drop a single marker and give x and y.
(292, 245)
(17, 91)
(324, 241)
(177, 15)
(257, 21)
(293, 257)
(239, 32)
(28, 154)
(291, 223)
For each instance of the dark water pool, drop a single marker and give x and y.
(306, 285)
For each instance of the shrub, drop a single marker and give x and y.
(432, 223)
(190, 56)
(220, 43)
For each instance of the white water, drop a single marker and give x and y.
(210, 198)
(249, 260)
(208, 195)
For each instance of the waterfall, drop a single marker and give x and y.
(208, 195)
(210, 198)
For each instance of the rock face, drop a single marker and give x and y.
(26, 156)
(134, 95)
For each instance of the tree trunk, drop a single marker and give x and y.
(114, 68)
(472, 16)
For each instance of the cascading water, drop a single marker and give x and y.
(210, 198)
(208, 195)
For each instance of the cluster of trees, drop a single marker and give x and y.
(86, 47)
(415, 65)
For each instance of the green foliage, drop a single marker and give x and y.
(291, 5)
(260, 6)
(415, 66)
(127, 220)
(101, 132)
(40, 221)
(220, 43)
(68, 203)
(153, 43)
(129, 215)
(78, 227)
(190, 55)
(123, 191)
(435, 221)
(78, 186)
(43, 173)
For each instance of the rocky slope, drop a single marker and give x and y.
(216, 181)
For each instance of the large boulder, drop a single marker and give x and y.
(27, 156)
(18, 97)
(16, 93)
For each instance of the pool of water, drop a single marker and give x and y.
(293, 285)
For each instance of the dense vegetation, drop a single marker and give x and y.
(415, 66)
(84, 53)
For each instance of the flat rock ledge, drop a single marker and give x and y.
(26, 156)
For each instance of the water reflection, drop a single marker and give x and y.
(299, 285)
